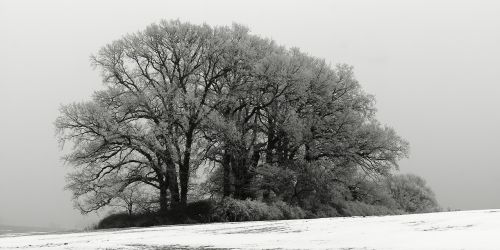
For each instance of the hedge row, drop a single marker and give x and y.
(208, 211)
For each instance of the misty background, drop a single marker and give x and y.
(433, 66)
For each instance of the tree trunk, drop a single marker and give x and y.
(171, 180)
(307, 155)
(130, 208)
(227, 181)
(270, 141)
(163, 198)
(184, 168)
(241, 177)
(173, 186)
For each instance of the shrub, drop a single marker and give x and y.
(290, 212)
(412, 194)
(122, 220)
(371, 192)
(261, 211)
(274, 179)
(357, 208)
(318, 186)
(116, 221)
(200, 211)
(324, 211)
(233, 210)
(196, 212)
(230, 209)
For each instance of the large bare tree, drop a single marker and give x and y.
(145, 125)
(179, 96)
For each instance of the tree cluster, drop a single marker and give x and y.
(262, 121)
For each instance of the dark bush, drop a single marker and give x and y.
(196, 212)
(115, 221)
(122, 220)
(200, 211)
(204, 211)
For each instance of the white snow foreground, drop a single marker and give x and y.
(478, 229)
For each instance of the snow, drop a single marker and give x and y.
(479, 229)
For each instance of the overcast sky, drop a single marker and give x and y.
(433, 66)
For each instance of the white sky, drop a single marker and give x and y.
(434, 67)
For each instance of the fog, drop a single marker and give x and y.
(433, 67)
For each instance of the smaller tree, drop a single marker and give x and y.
(412, 194)
(136, 198)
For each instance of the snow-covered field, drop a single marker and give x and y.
(478, 229)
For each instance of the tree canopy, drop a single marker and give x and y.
(179, 97)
